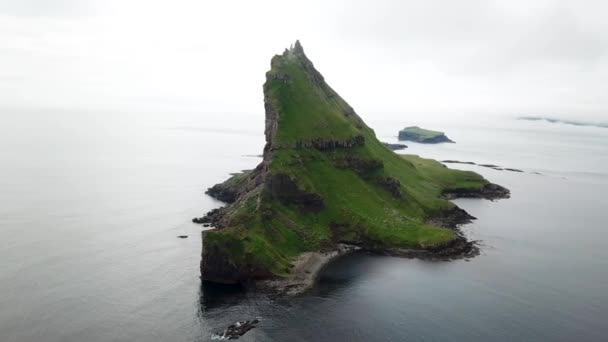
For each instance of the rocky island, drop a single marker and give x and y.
(327, 186)
(423, 136)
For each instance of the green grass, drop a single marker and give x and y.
(303, 115)
(356, 209)
(424, 133)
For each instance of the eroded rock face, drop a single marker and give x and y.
(390, 184)
(238, 185)
(451, 218)
(212, 218)
(286, 190)
(216, 267)
(312, 73)
(359, 165)
(329, 144)
(223, 193)
(271, 124)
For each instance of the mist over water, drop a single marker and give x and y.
(91, 204)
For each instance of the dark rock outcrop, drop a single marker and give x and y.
(450, 218)
(212, 218)
(217, 268)
(286, 190)
(241, 183)
(489, 191)
(390, 184)
(359, 165)
(222, 193)
(236, 330)
(328, 144)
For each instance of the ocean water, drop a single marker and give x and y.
(91, 204)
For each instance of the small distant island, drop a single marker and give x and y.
(565, 122)
(326, 186)
(394, 147)
(423, 136)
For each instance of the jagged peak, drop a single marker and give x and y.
(297, 47)
(295, 50)
(285, 71)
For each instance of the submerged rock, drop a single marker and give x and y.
(236, 330)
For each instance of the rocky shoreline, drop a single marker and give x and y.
(305, 268)
(489, 191)
(305, 271)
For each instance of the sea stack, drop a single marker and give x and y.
(325, 185)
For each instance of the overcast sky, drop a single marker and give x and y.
(544, 57)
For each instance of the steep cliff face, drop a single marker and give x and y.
(324, 179)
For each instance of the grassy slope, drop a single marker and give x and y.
(358, 208)
(306, 111)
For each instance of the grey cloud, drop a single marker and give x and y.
(431, 55)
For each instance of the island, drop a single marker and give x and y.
(565, 122)
(394, 147)
(326, 186)
(423, 136)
